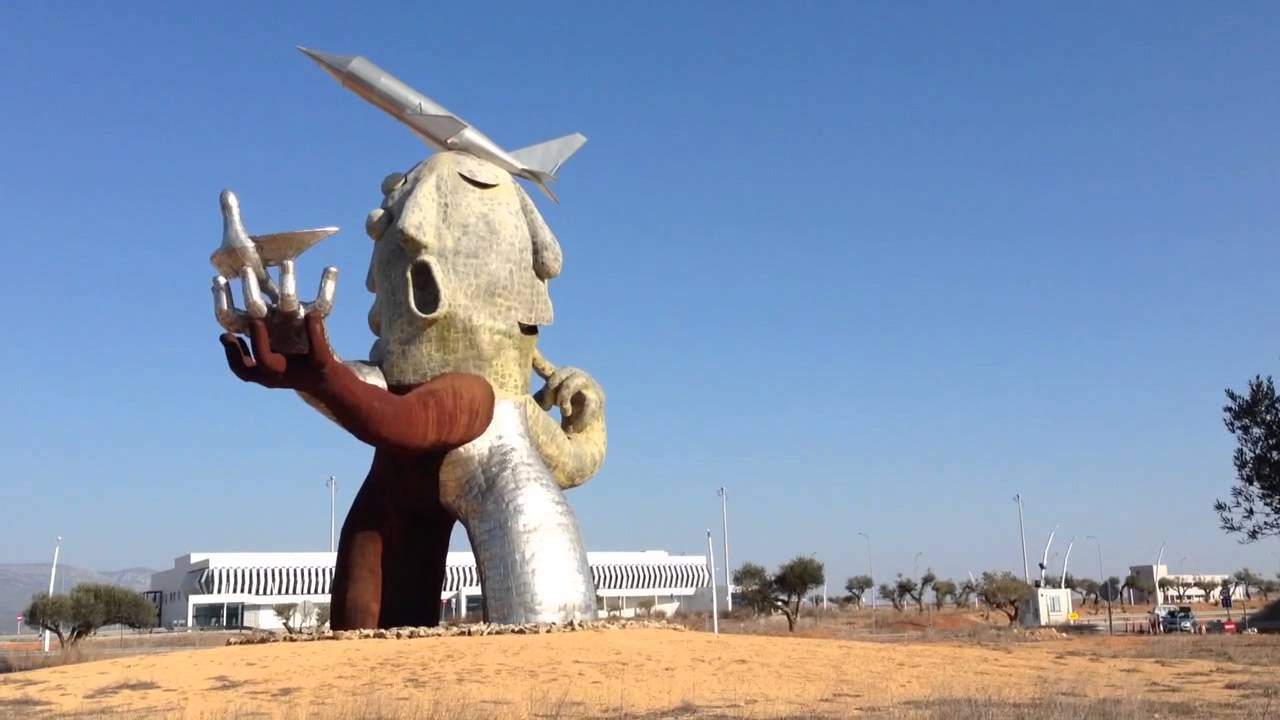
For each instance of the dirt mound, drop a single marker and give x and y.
(632, 673)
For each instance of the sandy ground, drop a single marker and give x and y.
(604, 673)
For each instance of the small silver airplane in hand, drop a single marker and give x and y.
(441, 129)
(248, 257)
(240, 251)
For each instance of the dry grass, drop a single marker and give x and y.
(1052, 707)
(1248, 650)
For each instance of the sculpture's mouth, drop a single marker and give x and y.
(424, 288)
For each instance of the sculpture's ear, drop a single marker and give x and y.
(547, 258)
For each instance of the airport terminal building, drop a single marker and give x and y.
(241, 589)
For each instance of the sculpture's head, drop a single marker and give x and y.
(459, 272)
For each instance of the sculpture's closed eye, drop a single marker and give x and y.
(474, 182)
(478, 173)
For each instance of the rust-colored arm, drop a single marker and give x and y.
(448, 411)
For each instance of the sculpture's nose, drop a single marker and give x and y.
(417, 219)
(414, 233)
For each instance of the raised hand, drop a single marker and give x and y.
(577, 394)
(267, 367)
(283, 319)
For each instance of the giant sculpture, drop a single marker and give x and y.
(459, 272)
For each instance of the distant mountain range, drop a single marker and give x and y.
(18, 582)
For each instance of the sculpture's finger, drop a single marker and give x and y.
(288, 289)
(571, 387)
(224, 309)
(541, 365)
(253, 302)
(589, 404)
(325, 295)
(320, 352)
(238, 358)
(546, 397)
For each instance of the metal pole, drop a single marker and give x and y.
(333, 496)
(1102, 579)
(1022, 530)
(1155, 577)
(871, 573)
(715, 609)
(1066, 559)
(728, 582)
(53, 571)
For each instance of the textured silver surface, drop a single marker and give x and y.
(441, 129)
(524, 535)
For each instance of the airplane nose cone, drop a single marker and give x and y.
(335, 65)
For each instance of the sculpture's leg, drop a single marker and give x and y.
(524, 535)
(391, 554)
(413, 560)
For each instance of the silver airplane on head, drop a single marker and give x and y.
(241, 251)
(441, 129)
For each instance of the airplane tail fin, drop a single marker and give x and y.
(546, 158)
(543, 181)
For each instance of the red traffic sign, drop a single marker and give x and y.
(1229, 627)
(19, 618)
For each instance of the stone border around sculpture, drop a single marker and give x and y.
(473, 630)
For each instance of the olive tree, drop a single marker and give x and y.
(89, 606)
(1253, 510)
(943, 589)
(794, 579)
(753, 584)
(286, 613)
(905, 589)
(857, 587)
(1003, 591)
(784, 590)
(926, 581)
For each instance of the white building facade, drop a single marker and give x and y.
(1183, 587)
(242, 589)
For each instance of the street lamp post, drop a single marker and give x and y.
(871, 573)
(1102, 579)
(724, 517)
(1155, 577)
(1022, 530)
(332, 484)
(53, 571)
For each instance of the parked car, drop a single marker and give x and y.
(1180, 620)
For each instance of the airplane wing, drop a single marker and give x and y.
(437, 127)
(278, 247)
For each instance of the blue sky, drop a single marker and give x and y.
(873, 266)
